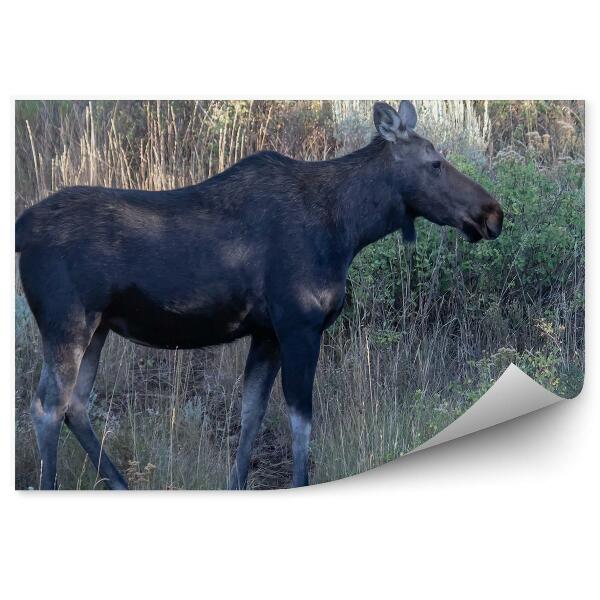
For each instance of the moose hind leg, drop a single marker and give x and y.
(49, 405)
(77, 417)
(262, 366)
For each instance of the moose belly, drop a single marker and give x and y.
(167, 325)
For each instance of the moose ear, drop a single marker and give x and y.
(408, 114)
(388, 122)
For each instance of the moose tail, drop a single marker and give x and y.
(23, 231)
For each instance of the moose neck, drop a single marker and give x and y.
(368, 207)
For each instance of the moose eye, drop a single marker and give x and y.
(437, 164)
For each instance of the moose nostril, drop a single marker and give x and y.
(494, 224)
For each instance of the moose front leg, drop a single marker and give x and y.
(262, 366)
(299, 356)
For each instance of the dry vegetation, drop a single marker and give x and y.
(426, 330)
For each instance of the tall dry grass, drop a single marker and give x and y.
(398, 366)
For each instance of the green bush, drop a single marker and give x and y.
(495, 294)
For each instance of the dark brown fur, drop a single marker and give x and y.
(262, 249)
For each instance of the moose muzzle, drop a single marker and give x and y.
(486, 225)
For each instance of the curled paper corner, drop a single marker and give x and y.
(514, 394)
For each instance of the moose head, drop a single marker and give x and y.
(428, 184)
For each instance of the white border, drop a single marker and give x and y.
(511, 512)
(514, 394)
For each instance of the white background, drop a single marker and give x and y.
(507, 513)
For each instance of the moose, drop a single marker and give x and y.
(261, 249)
